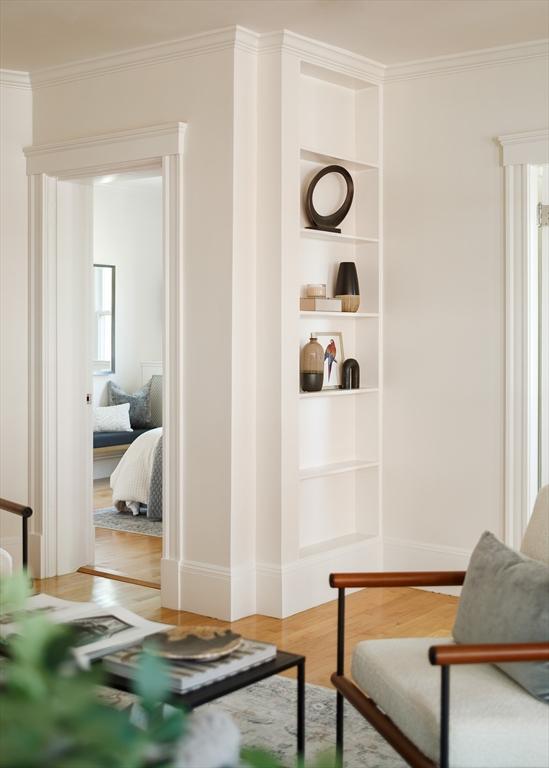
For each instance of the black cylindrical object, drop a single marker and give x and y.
(350, 374)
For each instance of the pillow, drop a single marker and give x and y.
(140, 403)
(112, 418)
(505, 599)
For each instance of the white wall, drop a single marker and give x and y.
(444, 305)
(199, 90)
(15, 133)
(127, 232)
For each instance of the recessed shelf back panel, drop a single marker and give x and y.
(327, 509)
(329, 194)
(327, 116)
(317, 265)
(332, 430)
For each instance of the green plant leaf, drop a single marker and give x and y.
(152, 681)
(258, 758)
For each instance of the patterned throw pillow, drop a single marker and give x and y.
(140, 403)
(112, 418)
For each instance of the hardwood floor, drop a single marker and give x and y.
(119, 554)
(371, 613)
(102, 494)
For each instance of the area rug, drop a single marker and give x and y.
(265, 714)
(125, 521)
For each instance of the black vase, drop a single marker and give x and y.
(347, 288)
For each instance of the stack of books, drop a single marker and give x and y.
(186, 675)
(197, 655)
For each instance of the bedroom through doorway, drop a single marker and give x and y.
(126, 332)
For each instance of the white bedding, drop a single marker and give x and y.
(131, 480)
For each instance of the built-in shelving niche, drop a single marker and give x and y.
(339, 443)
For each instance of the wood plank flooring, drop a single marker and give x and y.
(372, 613)
(119, 554)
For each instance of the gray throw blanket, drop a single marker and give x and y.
(154, 508)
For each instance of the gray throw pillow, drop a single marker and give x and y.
(140, 403)
(505, 599)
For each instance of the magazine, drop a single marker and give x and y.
(98, 630)
(186, 676)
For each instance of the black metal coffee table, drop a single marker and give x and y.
(207, 693)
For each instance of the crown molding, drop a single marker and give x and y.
(487, 57)
(316, 53)
(322, 54)
(12, 78)
(239, 38)
(528, 148)
(201, 44)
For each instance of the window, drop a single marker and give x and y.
(104, 329)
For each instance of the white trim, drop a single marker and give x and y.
(119, 150)
(13, 78)
(149, 55)
(519, 151)
(409, 555)
(470, 60)
(87, 156)
(312, 51)
(531, 147)
(283, 590)
(220, 591)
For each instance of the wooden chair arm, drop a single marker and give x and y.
(14, 508)
(398, 579)
(488, 653)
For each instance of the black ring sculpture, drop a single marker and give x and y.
(329, 223)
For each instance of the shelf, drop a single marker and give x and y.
(337, 392)
(347, 162)
(337, 237)
(309, 473)
(349, 315)
(338, 543)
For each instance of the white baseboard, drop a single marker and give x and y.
(285, 590)
(217, 591)
(409, 555)
(170, 583)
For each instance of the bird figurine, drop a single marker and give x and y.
(330, 355)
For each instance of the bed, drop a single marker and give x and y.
(137, 480)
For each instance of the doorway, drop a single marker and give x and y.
(127, 369)
(61, 204)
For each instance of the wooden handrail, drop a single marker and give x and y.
(15, 508)
(24, 513)
(398, 579)
(488, 653)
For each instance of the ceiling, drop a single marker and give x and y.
(42, 33)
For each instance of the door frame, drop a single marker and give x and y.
(159, 146)
(519, 152)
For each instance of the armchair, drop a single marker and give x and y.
(494, 722)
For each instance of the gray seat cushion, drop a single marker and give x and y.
(494, 723)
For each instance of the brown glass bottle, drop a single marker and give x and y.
(312, 366)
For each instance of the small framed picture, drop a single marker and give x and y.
(332, 344)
